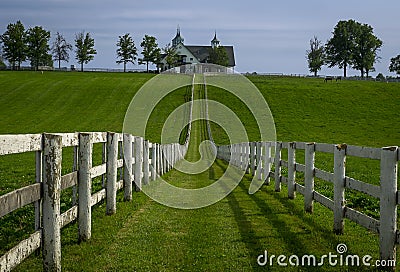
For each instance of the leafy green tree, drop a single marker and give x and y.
(151, 52)
(84, 48)
(339, 49)
(171, 56)
(37, 40)
(365, 51)
(395, 65)
(14, 44)
(60, 49)
(2, 64)
(218, 56)
(126, 50)
(315, 55)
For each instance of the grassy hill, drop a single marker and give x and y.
(305, 109)
(31, 102)
(228, 235)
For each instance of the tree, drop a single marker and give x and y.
(395, 65)
(14, 44)
(218, 56)
(2, 64)
(84, 48)
(339, 49)
(365, 51)
(151, 52)
(38, 46)
(315, 56)
(126, 50)
(171, 56)
(60, 49)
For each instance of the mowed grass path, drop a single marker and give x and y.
(226, 236)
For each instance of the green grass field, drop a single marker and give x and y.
(229, 235)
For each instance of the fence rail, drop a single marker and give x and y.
(256, 158)
(141, 162)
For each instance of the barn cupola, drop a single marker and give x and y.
(215, 41)
(178, 38)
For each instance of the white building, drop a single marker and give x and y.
(195, 54)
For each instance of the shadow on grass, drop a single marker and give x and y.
(287, 238)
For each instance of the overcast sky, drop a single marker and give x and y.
(268, 36)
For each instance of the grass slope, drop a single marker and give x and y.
(228, 235)
(32, 102)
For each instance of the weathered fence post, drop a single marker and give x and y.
(339, 178)
(234, 154)
(267, 162)
(120, 170)
(138, 163)
(309, 177)
(258, 159)
(159, 159)
(291, 170)
(388, 204)
(52, 159)
(153, 161)
(111, 166)
(127, 141)
(278, 153)
(246, 157)
(145, 162)
(252, 158)
(85, 186)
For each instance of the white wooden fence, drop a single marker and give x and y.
(141, 162)
(256, 158)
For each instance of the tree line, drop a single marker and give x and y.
(352, 45)
(19, 45)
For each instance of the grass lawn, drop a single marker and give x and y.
(229, 235)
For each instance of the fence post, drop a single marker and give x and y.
(145, 162)
(388, 204)
(138, 163)
(309, 177)
(153, 161)
(111, 166)
(258, 159)
(339, 178)
(85, 186)
(291, 170)
(127, 141)
(52, 159)
(267, 162)
(252, 158)
(159, 160)
(278, 166)
(247, 157)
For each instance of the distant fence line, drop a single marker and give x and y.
(256, 157)
(356, 78)
(141, 162)
(78, 69)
